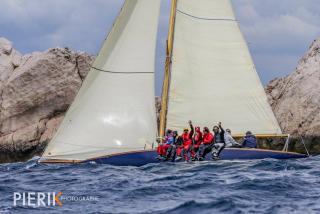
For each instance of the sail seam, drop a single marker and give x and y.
(119, 72)
(207, 19)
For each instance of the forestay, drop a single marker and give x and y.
(213, 77)
(114, 111)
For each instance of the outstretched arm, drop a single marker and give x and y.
(192, 129)
(222, 130)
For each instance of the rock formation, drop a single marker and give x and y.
(35, 91)
(295, 99)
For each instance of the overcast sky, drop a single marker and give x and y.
(278, 31)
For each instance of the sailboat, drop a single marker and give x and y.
(209, 77)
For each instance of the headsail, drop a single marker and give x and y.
(114, 111)
(213, 77)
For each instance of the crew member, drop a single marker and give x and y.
(219, 142)
(206, 144)
(163, 147)
(171, 152)
(249, 141)
(230, 142)
(197, 140)
(187, 141)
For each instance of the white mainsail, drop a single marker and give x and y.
(114, 111)
(213, 77)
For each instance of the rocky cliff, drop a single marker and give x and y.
(295, 99)
(35, 91)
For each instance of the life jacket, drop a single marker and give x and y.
(198, 136)
(208, 138)
(186, 139)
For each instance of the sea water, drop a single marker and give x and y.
(253, 186)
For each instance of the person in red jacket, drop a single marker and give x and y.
(187, 142)
(197, 140)
(164, 146)
(206, 145)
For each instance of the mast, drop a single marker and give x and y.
(166, 81)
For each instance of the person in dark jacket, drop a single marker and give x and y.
(219, 142)
(171, 152)
(249, 141)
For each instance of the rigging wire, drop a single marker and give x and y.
(119, 72)
(207, 19)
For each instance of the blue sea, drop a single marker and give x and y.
(254, 186)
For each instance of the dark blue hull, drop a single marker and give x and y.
(140, 158)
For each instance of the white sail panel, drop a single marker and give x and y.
(114, 111)
(213, 77)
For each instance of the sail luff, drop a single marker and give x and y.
(166, 81)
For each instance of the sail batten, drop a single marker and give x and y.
(213, 77)
(114, 111)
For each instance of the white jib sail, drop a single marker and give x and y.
(213, 77)
(114, 111)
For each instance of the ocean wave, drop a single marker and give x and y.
(257, 186)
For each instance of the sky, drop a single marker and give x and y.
(278, 32)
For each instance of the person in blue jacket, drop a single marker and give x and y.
(250, 141)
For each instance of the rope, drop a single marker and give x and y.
(114, 72)
(305, 147)
(207, 19)
(286, 145)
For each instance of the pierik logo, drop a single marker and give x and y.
(37, 199)
(48, 199)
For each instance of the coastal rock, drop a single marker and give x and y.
(51, 128)
(35, 91)
(295, 99)
(5, 46)
(9, 60)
